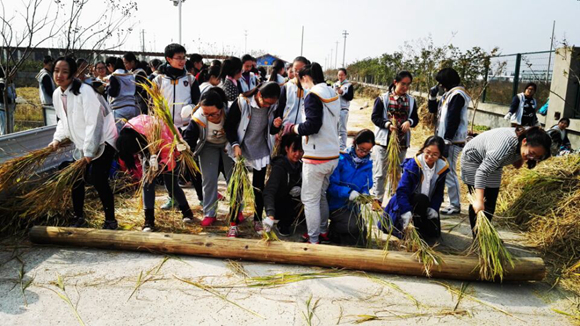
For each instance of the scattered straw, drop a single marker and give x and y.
(422, 251)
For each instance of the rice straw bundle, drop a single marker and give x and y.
(393, 161)
(493, 255)
(240, 189)
(160, 108)
(369, 217)
(53, 195)
(21, 169)
(270, 236)
(422, 251)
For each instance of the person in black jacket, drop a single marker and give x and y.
(282, 192)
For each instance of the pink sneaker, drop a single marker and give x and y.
(233, 232)
(208, 221)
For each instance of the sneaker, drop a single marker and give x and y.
(241, 217)
(258, 227)
(323, 238)
(110, 225)
(233, 232)
(221, 197)
(283, 231)
(187, 220)
(451, 210)
(148, 227)
(304, 237)
(208, 221)
(78, 222)
(170, 204)
(187, 184)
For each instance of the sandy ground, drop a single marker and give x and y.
(112, 287)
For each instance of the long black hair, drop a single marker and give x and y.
(448, 77)
(434, 140)
(400, 76)
(291, 140)
(313, 70)
(276, 68)
(230, 67)
(206, 73)
(72, 71)
(270, 90)
(129, 143)
(535, 137)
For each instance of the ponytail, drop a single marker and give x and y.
(400, 76)
(313, 70)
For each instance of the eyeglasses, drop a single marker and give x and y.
(213, 115)
(433, 155)
(179, 58)
(364, 151)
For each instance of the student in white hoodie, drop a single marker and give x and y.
(320, 142)
(91, 128)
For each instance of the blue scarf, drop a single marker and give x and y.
(355, 159)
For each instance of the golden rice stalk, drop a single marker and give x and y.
(369, 217)
(240, 189)
(21, 169)
(270, 236)
(422, 251)
(53, 195)
(493, 255)
(393, 161)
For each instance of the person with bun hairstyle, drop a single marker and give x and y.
(352, 177)
(485, 156)
(205, 134)
(230, 74)
(249, 124)
(420, 192)
(398, 106)
(91, 128)
(321, 146)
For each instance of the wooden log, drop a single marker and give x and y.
(372, 260)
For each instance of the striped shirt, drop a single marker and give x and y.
(485, 156)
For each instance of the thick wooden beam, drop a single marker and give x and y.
(372, 260)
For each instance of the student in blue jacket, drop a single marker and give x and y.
(353, 176)
(420, 191)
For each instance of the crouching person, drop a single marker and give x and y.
(132, 142)
(282, 192)
(420, 191)
(352, 177)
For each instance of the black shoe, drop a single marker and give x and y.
(283, 231)
(78, 222)
(110, 225)
(149, 226)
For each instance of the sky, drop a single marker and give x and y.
(374, 27)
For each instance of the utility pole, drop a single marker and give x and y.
(143, 40)
(178, 3)
(302, 41)
(336, 56)
(550, 55)
(344, 33)
(245, 41)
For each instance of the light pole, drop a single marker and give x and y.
(344, 33)
(178, 3)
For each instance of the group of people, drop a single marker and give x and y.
(293, 124)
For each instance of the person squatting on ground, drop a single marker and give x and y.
(319, 134)
(346, 93)
(91, 128)
(352, 177)
(205, 134)
(452, 125)
(282, 191)
(485, 156)
(132, 143)
(420, 192)
(249, 124)
(398, 106)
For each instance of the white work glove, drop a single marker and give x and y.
(153, 163)
(406, 219)
(295, 191)
(508, 116)
(186, 111)
(353, 195)
(268, 223)
(182, 146)
(431, 213)
(387, 124)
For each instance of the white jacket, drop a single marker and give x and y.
(461, 134)
(86, 122)
(45, 96)
(294, 110)
(517, 117)
(324, 145)
(178, 95)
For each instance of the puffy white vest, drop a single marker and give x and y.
(517, 118)
(344, 104)
(461, 133)
(45, 97)
(382, 134)
(178, 94)
(126, 97)
(294, 110)
(324, 145)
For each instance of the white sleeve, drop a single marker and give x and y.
(93, 121)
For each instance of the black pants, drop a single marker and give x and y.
(490, 197)
(258, 180)
(287, 211)
(97, 174)
(427, 228)
(346, 228)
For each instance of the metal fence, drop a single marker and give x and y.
(509, 74)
